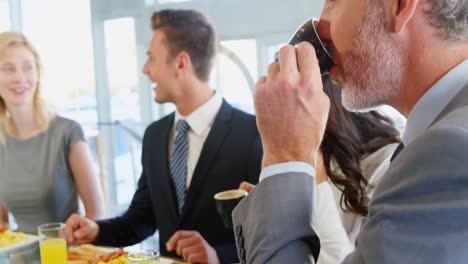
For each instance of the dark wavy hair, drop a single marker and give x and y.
(349, 137)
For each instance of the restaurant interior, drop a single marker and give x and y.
(93, 52)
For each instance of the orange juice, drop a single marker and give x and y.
(53, 251)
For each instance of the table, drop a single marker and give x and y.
(31, 255)
(167, 260)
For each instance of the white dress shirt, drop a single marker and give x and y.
(200, 121)
(336, 228)
(420, 118)
(334, 242)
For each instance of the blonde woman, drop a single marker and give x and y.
(45, 162)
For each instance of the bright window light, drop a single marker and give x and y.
(171, 1)
(4, 16)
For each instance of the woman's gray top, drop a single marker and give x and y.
(36, 182)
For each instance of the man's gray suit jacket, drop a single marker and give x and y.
(418, 214)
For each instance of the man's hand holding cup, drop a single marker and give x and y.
(291, 107)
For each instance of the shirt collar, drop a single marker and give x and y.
(434, 101)
(203, 117)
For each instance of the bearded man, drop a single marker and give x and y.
(410, 54)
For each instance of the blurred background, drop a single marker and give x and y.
(93, 52)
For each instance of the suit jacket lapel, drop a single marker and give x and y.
(220, 129)
(458, 101)
(162, 165)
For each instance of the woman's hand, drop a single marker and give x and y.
(246, 186)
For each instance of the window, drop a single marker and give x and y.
(123, 85)
(4, 16)
(64, 41)
(229, 80)
(61, 32)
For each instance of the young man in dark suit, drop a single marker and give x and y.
(204, 147)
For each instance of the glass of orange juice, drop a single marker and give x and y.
(53, 243)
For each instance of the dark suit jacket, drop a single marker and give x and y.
(231, 154)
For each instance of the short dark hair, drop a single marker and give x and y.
(189, 31)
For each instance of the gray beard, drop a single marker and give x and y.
(373, 68)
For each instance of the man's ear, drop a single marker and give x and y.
(183, 62)
(401, 13)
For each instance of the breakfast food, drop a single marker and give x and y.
(115, 260)
(8, 238)
(116, 257)
(89, 254)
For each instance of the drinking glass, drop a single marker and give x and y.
(53, 243)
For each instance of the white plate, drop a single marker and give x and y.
(29, 239)
(163, 260)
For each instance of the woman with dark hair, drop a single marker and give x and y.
(349, 138)
(355, 153)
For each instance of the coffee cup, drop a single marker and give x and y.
(226, 202)
(308, 32)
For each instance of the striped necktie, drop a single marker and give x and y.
(179, 162)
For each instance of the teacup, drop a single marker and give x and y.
(226, 202)
(308, 32)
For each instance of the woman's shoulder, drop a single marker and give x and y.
(381, 154)
(64, 126)
(64, 123)
(376, 163)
